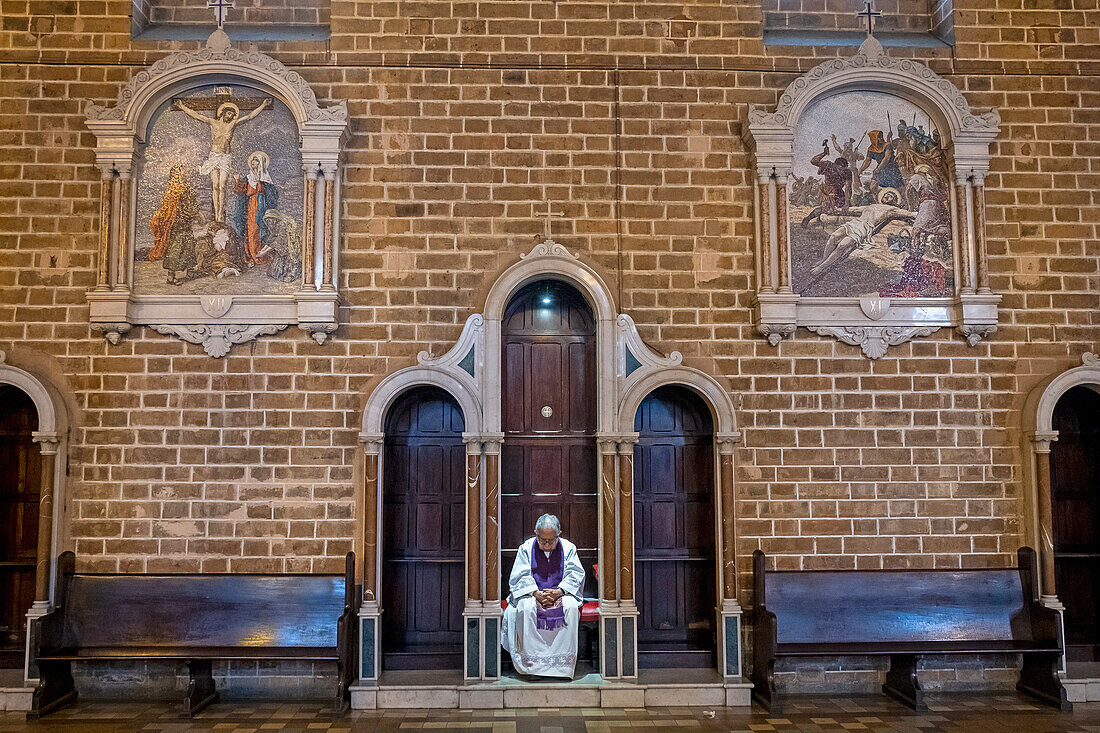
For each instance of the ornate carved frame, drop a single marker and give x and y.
(627, 370)
(215, 321)
(875, 324)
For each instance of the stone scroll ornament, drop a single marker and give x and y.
(219, 194)
(869, 180)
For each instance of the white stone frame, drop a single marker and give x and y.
(51, 437)
(874, 324)
(627, 370)
(215, 321)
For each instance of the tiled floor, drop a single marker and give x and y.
(1002, 713)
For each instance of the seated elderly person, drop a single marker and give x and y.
(543, 613)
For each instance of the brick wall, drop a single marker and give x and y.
(278, 12)
(841, 15)
(183, 462)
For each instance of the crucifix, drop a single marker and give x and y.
(219, 7)
(870, 15)
(546, 220)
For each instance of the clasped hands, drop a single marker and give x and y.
(547, 598)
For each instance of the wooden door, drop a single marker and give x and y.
(674, 531)
(20, 483)
(548, 403)
(1075, 495)
(423, 531)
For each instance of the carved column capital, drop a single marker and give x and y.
(727, 442)
(473, 443)
(372, 442)
(47, 442)
(1042, 439)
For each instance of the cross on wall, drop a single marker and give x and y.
(546, 216)
(870, 15)
(219, 7)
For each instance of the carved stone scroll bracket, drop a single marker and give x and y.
(874, 340)
(776, 332)
(216, 340)
(974, 334)
(319, 332)
(113, 332)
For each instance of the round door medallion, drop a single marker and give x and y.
(547, 411)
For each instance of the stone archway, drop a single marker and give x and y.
(50, 436)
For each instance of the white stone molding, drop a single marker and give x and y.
(874, 340)
(769, 137)
(1038, 434)
(217, 339)
(120, 132)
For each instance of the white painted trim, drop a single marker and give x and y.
(643, 381)
(455, 382)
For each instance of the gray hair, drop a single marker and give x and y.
(548, 521)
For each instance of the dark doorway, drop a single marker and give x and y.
(674, 530)
(20, 483)
(423, 531)
(1075, 495)
(548, 402)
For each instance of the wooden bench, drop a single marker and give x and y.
(906, 614)
(193, 619)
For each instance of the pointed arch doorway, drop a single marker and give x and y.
(548, 410)
(674, 533)
(1075, 503)
(423, 531)
(20, 485)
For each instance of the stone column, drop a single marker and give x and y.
(764, 181)
(608, 571)
(626, 521)
(473, 519)
(329, 245)
(729, 609)
(781, 232)
(106, 206)
(370, 610)
(492, 448)
(122, 250)
(309, 229)
(1045, 510)
(963, 230)
(979, 234)
(48, 444)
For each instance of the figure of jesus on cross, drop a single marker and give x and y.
(218, 164)
(870, 15)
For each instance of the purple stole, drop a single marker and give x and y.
(547, 572)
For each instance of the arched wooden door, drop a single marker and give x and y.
(20, 483)
(548, 404)
(423, 531)
(674, 531)
(1075, 495)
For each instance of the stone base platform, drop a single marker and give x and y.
(447, 690)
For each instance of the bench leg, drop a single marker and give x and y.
(1039, 679)
(901, 681)
(763, 687)
(200, 691)
(56, 688)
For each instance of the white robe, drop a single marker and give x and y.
(538, 651)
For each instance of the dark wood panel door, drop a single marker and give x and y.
(674, 546)
(20, 483)
(423, 529)
(1075, 495)
(548, 404)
